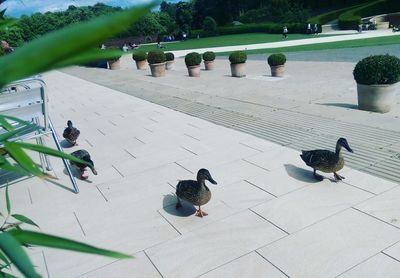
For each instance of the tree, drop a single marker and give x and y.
(148, 25)
(209, 25)
(167, 21)
(183, 16)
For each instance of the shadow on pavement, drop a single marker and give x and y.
(185, 210)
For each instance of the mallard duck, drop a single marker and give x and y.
(85, 156)
(327, 161)
(71, 134)
(195, 192)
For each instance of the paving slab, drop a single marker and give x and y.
(331, 246)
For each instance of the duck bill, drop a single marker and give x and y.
(210, 179)
(94, 171)
(348, 148)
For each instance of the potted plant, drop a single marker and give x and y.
(376, 77)
(156, 59)
(114, 60)
(140, 58)
(209, 58)
(238, 63)
(192, 61)
(170, 58)
(277, 63)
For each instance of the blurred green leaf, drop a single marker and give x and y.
(6, 165)
(8, 204)
(19, 155)
(54, 48)
(4, 258)
(4, 123)
(6, 275)
(13, 250)
(41, 239)
(24, 219)
(89, 56)
(49, 151)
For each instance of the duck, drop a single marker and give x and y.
(71, 133)
(196, 191)
(85, 156)
(327, 161)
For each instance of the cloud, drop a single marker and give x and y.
(17, 8)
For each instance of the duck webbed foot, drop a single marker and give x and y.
(338, 177)
(201, 213)
(318, 177)
(82, 175)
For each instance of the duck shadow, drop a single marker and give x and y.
(342, 105)
(65, 144)
(185, 210)
(304, 175)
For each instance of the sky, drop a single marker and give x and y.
(17, 8)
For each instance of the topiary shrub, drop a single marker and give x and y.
(192, 59)
(209, 25)
(139, 56)
(208, 56)
(276, 59)
(169, 56)
(116, 53)
(156, 57)
(377, 69)
(238, 57)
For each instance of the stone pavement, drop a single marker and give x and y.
(268, 217)
(315, 40)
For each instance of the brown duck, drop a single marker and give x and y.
(195, 192)
(325, 160)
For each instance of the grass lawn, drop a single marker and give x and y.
(228, 40)
(329, 45)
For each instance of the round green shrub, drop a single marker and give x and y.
(169, 56)
(208, 56)
(209, 25)
(238, 57)
(139, 56)
(276, 59)
(192, 59)
(115, 54)
(377, 69)
(156, 57)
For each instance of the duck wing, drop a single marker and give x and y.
(71, 133)
(81, 154)
(187, 189)
(318, 158)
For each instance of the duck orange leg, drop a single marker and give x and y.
(201, 213)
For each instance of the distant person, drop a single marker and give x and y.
(103, 46)
(159, 45)
(125, 48)
(6, 47)
(316, 29)
(285, 32)
(184, 36)
(359, 28)
(309, 28)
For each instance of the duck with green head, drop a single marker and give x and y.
(327, 161)
(195, 192)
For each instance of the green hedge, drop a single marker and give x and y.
(348, 20)
(271, 28)
(139, 55)
(208, 56)
(192, 59)
(238, 57)
(329, 16)
(276, 59)
(156, 57)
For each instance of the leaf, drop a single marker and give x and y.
(49, 151)
(6, 275)
(4, 164)
(24, 219)
(8, 204)
(41, 239)
(4, 258)
(88, 56)
(13, 250)
(42, 54)
(22, 158)
(4, 123)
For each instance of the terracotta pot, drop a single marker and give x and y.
(169, 65)
(194, 71)
(114, 64)
(157, 70)
(238, 70)
(209, 65)
(376, 98)
(141, 65)
(277, 71)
